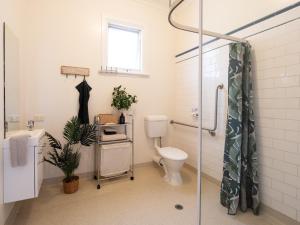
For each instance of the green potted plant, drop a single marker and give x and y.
(67, 157)
(122, 101)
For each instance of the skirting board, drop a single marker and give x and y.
(86, 175)
(59, 179)
(276, 217)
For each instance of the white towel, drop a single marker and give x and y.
(18, 146)
(113, 137)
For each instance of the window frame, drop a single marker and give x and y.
(106, 23)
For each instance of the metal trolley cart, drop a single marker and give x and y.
(128, 130)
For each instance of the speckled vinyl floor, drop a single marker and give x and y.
(147, 200)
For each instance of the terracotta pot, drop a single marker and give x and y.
(71, 186)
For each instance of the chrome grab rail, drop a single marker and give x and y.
(183, 124)
(212, 131)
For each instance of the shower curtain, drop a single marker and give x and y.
(239, 186)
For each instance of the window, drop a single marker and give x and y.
(124, 49)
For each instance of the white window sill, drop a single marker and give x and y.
(124, 74)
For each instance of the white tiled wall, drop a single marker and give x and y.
(186, 98)
(215, 67)
(277, 89)
(277, 108)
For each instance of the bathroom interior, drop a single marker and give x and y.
(112, 114)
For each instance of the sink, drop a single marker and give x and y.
(24, 181)
(35, 136)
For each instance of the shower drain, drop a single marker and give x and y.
(178, 207)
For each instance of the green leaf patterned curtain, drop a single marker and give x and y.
(240, 170)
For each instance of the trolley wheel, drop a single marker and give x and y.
(131, 178)
(98, 186)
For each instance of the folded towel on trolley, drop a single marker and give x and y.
(109, 131)
(113, 137)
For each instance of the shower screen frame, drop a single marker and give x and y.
(199, 149)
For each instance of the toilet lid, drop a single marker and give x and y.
(173, 153)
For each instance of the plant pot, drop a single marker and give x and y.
(71, 186)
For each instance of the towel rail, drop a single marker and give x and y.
(211, 131)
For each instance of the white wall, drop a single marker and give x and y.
(276, 74)
(223, 16)
(9, 13)
(277, 80)
(68, 33)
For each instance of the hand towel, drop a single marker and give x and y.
(18, 150)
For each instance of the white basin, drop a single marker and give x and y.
(35, 136)
(24, 181)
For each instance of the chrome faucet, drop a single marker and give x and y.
(30, 125)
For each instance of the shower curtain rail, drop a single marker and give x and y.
(175, 4)
(246, 37)
(253, 23)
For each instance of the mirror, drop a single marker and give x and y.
(11, 80)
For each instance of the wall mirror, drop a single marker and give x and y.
(11, 80)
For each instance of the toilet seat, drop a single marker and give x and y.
(172, 153)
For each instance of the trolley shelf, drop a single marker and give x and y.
(98, 150)
(114, 176)
(114, 142)
(114, 125)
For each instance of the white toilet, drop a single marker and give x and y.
(172, 159)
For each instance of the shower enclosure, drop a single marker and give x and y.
(198, 30)
(273, 56)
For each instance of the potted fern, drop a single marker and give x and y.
(122, 101)
(67, 156)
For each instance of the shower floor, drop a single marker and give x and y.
(147, 200)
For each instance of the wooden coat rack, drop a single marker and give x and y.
(74, 71)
